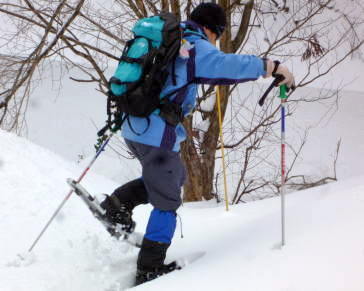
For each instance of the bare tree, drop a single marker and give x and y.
(316, 36)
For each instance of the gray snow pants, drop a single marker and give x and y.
(163, 174)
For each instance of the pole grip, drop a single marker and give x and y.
(275, 83)
(283, 91)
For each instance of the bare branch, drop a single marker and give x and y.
(244, 25)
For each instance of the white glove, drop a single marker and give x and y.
(275, 69)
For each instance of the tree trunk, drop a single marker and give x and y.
(193, 188)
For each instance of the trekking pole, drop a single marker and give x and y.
(71, 191)
(222, 146)
(283, 96)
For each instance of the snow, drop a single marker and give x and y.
(74, 251)
(324, 250)
(345, 124)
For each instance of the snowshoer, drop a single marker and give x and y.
(156, 143)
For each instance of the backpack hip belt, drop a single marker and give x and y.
(171, 112)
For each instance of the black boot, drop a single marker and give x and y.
(150, 261)
(118, 213)
(120, 204)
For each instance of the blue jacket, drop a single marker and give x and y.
(205, 65)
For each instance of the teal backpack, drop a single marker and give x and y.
(142, 72)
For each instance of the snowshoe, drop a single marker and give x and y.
(144, 275)
(112, 224)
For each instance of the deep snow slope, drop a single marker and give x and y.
(75, 253)
(324, 251)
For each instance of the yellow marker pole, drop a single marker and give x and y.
(217, 88)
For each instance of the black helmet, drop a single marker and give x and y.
(211, 16)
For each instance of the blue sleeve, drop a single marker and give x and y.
(217, 68)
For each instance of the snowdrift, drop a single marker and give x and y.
(324, 251)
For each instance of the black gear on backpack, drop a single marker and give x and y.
(148, 72)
